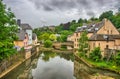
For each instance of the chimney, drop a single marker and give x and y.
(18, 22)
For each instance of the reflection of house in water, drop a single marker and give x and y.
(80, 70)
(29, 65)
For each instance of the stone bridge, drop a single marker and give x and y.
(58, 45)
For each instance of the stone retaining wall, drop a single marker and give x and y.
(21, 56)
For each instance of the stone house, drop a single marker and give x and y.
(25, 35)
(102, 34)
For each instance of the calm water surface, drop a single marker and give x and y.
(49, 65)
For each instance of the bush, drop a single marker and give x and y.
(96, 54)
(48, 43)
(118, 59)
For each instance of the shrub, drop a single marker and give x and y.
(95, 55)
(118, 59)
(48, 43)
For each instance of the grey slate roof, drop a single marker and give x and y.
(91, 27)
(34, 36)
(21, 35)
(25, 26)
(101, 37)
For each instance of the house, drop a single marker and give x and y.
(25, 36)
(34, 39)
(102, 34)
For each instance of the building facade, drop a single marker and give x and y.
(25, 36)
(102, 34)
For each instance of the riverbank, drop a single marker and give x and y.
(19, 60)
(55, 50)
(98, 66)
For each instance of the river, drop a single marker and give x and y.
(49, 65)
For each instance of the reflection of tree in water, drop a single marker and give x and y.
(66, 56)
(82, 71)
(47, 55)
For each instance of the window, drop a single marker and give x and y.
(99, 44)
(76, 34)
(111, 31)
(93, 45)
(75, 45)
(107, 46)
(108, 32)
(78, 45)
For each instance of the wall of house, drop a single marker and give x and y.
(29, 32)
(19, 43)
(108, 28)
(89, 35)
(34, 41)
(76, 39)
(102, 45)
(117, 44)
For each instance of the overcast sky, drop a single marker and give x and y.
(53, 12)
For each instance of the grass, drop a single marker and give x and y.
(102, 64)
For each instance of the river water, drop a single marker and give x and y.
(49, 65)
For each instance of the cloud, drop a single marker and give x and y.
(53, 12)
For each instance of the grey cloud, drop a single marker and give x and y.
(90, 13)
(57, 11)
(63, 4)
(47, 8)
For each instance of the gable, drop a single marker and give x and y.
(108, 28)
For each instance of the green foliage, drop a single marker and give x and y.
(107, 14)
(59, 39)
(8, 29)
(44, 36)
(64, 35)
(95, 55)
(118, 59)
(74, 26)
(52, 37)
(58, 29)
(48, 43)
(83, 42)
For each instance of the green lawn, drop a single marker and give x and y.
(103, 64)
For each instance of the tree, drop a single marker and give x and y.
(95, 55)
(74, 26)
(107, 14)
(118, 59)
(52, 37)
(44, 36)
(8, 29)
(64, 35)
(83, 42)
(80, 20)
(48, 43)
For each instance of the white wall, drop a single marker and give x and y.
(29, 32)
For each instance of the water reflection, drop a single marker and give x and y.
(50, 65)
(53, 66)
(82, 71)
(47, 65)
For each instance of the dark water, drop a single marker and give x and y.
(49, 65)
